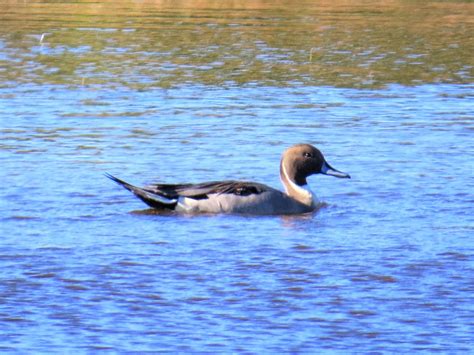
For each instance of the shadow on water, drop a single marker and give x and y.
(285, 218)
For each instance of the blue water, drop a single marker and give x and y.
(385, 266)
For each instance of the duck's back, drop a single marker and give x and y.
(217, 197)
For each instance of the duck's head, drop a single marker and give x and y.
(302, 160)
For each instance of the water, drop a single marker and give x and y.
(385, 266)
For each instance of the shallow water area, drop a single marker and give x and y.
(154, 91)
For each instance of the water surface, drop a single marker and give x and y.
(155, 91)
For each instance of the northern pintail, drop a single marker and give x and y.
(297, 163)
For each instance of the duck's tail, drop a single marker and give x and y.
(151, 198)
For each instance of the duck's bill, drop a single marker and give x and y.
(327, 169)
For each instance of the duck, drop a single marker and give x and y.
(297, 163)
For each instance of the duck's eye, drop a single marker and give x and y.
(308, 155)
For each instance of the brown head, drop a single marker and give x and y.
(302, 160)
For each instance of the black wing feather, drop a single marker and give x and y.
(202, 190)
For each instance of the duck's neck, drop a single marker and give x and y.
(295, 186)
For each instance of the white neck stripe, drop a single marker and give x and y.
(303, 190)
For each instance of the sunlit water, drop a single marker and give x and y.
(386, 265)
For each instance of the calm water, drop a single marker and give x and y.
(156, 91)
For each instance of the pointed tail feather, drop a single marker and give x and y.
(120, 182)
(150, 198)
